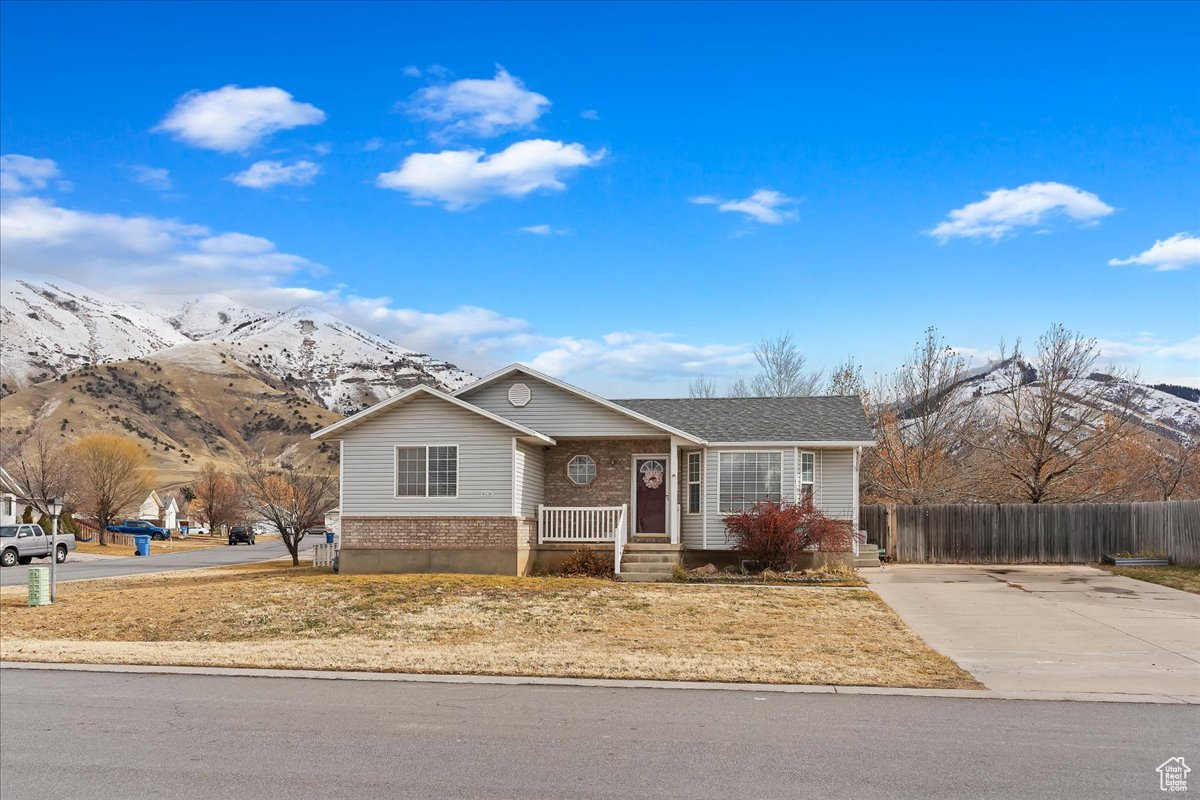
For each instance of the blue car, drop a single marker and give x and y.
(142, 527)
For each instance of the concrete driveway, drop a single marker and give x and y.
(1054, 628)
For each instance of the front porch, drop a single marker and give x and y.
(613, 494)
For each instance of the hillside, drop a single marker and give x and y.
(51, 326)
(1168, 414)
(212, 407)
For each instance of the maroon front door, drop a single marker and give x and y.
(650, 495)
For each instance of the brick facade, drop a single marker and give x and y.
(436, 533)
(613, 464)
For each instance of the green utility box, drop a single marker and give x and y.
(39, 586)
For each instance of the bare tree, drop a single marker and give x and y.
(846, 379)
(218, 499)
(921, 418)
(701, 386)
(1056, 418)
(294, 502)
(783, 370)
(114, 474)
(1173, 467)
(43, 468)
(738, 388)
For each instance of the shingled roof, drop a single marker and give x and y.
(762, 419)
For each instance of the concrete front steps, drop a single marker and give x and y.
(868, 556)
(647, 563)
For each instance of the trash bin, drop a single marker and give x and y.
(39, 586)
(328, 537)
(142, 543)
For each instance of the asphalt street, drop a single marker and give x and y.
(103, 735)
(216, 556)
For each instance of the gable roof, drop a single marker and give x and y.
(422, 390)
(619, 408)
(9, 484)
(778, 420)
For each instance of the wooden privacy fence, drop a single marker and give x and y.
(976, 533)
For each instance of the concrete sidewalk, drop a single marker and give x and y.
(1051, 628)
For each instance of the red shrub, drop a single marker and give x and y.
(774, 533)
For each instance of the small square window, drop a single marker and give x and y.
(581, 470)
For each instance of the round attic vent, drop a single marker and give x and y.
(519, 394)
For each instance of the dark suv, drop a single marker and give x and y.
(241, 533)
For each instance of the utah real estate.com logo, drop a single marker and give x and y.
(1172, 775)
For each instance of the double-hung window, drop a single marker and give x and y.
(693, 482)
(807, 476)
(748, 478)
(427, 471)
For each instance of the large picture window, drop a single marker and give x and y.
(427, 471)
(749, 478)
(693, 483)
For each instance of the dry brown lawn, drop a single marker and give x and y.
(275, 615)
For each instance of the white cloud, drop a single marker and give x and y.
(543, 230)
(1189, 349)
(480, 107)
(157, 178)
(644, 355)
(265, 174)
(1178, 252)
(590, 113)
(116, 252)
(20, 174)
(233, 119)
(372, 144)
(1028, 206)
(411, 72)
(460, 179)
(765, 205)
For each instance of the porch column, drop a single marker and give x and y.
(673, 490)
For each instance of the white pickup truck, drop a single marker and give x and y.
(21, 543)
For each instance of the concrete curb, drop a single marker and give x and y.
(607, 683)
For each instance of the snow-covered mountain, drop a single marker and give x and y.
(1164, 413)
(49, 326)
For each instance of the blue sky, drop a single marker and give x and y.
(690, 178)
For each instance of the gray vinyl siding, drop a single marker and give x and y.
(485, 462)
(530, 479)
(712, 473)
(836, 496)
(833, 488)
(555, 412)
(691, 526)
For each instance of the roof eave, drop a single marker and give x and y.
(367, 413)
(500, 374)
(813, 444)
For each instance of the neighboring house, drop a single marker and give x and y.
(513, 472)
(12, 498)
(163, 512)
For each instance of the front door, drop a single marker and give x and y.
(650, 495)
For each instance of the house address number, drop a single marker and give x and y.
(487, 494)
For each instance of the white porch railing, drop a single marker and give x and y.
(580, 523)
(323, 554)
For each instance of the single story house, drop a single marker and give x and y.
(12, 497)
(513, 472)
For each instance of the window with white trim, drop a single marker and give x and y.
(693, 482)
(807, 476)
(427, 471)
(581, 470)
(748, 478)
